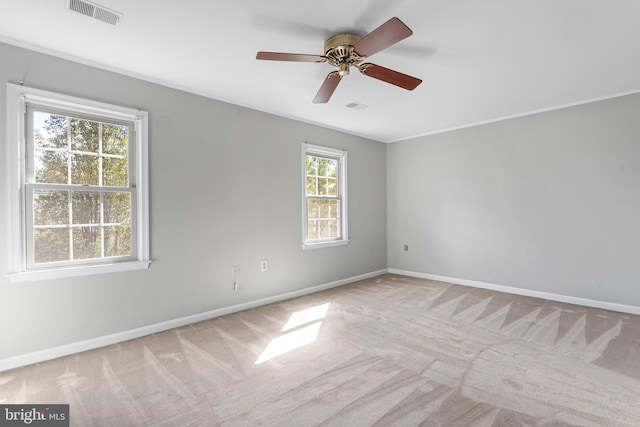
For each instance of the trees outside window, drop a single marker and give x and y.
(81, 199)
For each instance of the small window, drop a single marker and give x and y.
(81, 195)
(325, 204)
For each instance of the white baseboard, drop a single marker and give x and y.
(90, 344)
(631, 309)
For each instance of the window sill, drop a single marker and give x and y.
(59, 273)
(319, 245)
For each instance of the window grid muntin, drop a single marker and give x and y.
(33, 108)
(337, 219)
(326, 177)
(70, 226)
(31, 185)
(339, 156)
(316, 159)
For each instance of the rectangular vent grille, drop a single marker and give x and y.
(356, 105)
(95, 11)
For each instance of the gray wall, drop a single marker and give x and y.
(548, 202)
(225, 190)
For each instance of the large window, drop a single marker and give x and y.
(325, 205)
(80, 194)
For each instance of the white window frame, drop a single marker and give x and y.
(341, 156)
(18, 229)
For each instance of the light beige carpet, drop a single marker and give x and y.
(386, 351)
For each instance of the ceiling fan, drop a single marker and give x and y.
(348, 50)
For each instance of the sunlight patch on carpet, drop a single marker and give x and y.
(300, 335)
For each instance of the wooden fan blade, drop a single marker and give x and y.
(296, 57)
(387, 34)
(328, 87)
(390, 76)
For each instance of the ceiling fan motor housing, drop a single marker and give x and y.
(339, 52)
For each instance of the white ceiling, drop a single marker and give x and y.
(480, 60)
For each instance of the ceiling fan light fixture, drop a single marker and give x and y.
(348, 50)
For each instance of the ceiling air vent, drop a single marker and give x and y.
(355, 105)
(95, 11)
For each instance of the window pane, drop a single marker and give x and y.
(50, 130)
(332, 169)
(50, 207)
(117, 208)
(323, 190)
(312, 229)
(333, 209)
(117, 241)
(84, 169)
(324, 209)
(323, 222)
(86, 242)
(50, 244)
(85, 135)
(85, 207)
(51, 166)
(333, 228)
(322, 166)
(312, 208)
(332, 187)
(115, 172)
(115, 139)
(322, 186)
(323, 229)
(311, 186)
(312, 165)
(328, 229)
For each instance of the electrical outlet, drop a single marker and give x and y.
(406, 248)
(264, 265)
